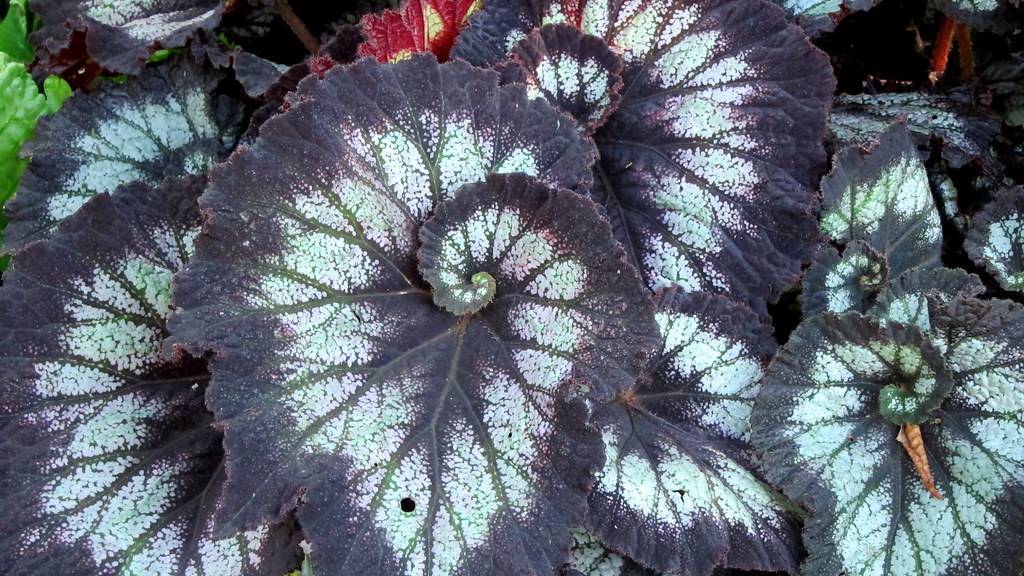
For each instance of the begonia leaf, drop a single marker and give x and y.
(819, 16)
(820, 429)
(996, 238)
(577, 73)
(883, 199)
(414, 440)
(416, 26)
(121, 35)
(111, 465)
(165, 123)
(21, 106)
(843, 283)
(996, 15)
(708, 167)
(675, 493)
(591, 558)
(907, 298)
(966, 132)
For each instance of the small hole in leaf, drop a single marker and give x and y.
(408, 504)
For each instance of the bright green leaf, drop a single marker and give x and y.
(14, 33)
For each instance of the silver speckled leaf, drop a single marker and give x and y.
(165, 123)
(819, 430)
(819, 16)
(419, 441)
(576, 72)
(883, 199)
(996, 238)
(592, 558)
(965, 130)
(709, 166)
(996, 15)
(844, 282)
(110, 464)
(906, 299)
(676, 493)
(121, 34)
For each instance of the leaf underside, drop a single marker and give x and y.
(120, 35)
(995, 15)
(675, 493)
(818, 427)
(165, 123)
(996, 239)
(111, 465)
(422, 442)
(708, 167)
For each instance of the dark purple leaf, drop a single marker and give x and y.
(821, 428)
(110, 463)
(577, 73)
(165, 123)
(413, 440)
(708, 168)
(676, 493)
(996, 238)
(121, 35)
(883, 199)
(843, 283)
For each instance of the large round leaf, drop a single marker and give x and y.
(419, 441)
(708, 168)
(110, 462)
(121, 34)
(883, 199)
(819, 429)
(165, 123)
(675, 493)
(996, 239)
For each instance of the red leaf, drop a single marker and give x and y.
(418, 26)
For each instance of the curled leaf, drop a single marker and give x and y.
(165, 123)
(823, 438)
(843, 283)
(120, 35)
(111, 465)
(577, 73)
(675, 493)
(708, 167)
(966, 132)
(883, 199)
(996, 239)
(419, 441)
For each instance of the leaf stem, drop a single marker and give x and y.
(941, 49)
(297, 26)
(965, 50)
